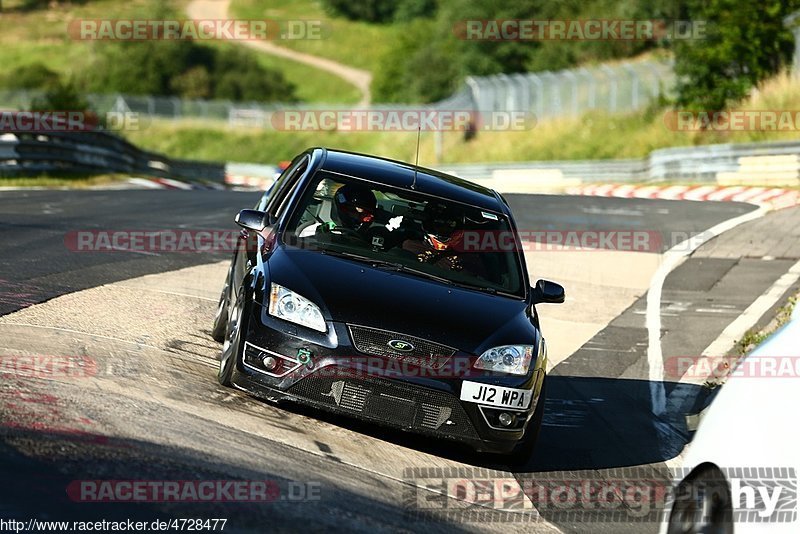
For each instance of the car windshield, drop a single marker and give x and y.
(407, 231)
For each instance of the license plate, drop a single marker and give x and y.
(500, 396)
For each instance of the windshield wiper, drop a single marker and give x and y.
(401, 267)
(486, 289)
(391, 265)
(424, 274)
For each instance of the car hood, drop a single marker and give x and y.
(356, 293)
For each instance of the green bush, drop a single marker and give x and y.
(186, 69)
(240, 77)
(61, 96)
(419, 68)
(195, 83)
(381, 11)
(33, 76)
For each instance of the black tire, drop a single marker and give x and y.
(234, 338)
(220, 327)
(522, 453)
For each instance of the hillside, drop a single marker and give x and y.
(40, 36)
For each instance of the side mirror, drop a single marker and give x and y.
(252, 220)
(548, 292)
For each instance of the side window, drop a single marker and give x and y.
(278, 208)
(284, 186)
(269, 195)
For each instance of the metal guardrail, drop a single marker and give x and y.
(597, 170)
(773, 164)
(769, 164)
(97, 152)
(759, 164)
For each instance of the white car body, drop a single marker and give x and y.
(753, 423)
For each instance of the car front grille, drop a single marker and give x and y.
(397, 404)
(376, 342)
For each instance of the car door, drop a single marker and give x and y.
(272, 202)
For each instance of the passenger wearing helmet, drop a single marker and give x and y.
(442, 237)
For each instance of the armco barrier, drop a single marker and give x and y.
(760, 164)
(768, 164)
(97, 152)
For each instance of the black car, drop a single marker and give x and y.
(388, 292)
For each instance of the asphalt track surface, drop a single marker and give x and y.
(597, 420)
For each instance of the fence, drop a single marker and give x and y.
(614, 88)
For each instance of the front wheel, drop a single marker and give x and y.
(234, 334)
(220, 327)
(523, 452)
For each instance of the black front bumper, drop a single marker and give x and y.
(337, 382)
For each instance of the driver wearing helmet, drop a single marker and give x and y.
(356, 206)
(354, 210)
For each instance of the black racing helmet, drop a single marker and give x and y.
(355, 205)
(440, 221)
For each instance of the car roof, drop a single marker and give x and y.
(401, 174)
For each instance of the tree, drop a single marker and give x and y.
(239, 76)
(381, 11)
(195, 83)
(61, 96)
(33, 76)
(420, 67)
(745, 43)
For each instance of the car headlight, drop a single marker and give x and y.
(511, 359)
(287, 305)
